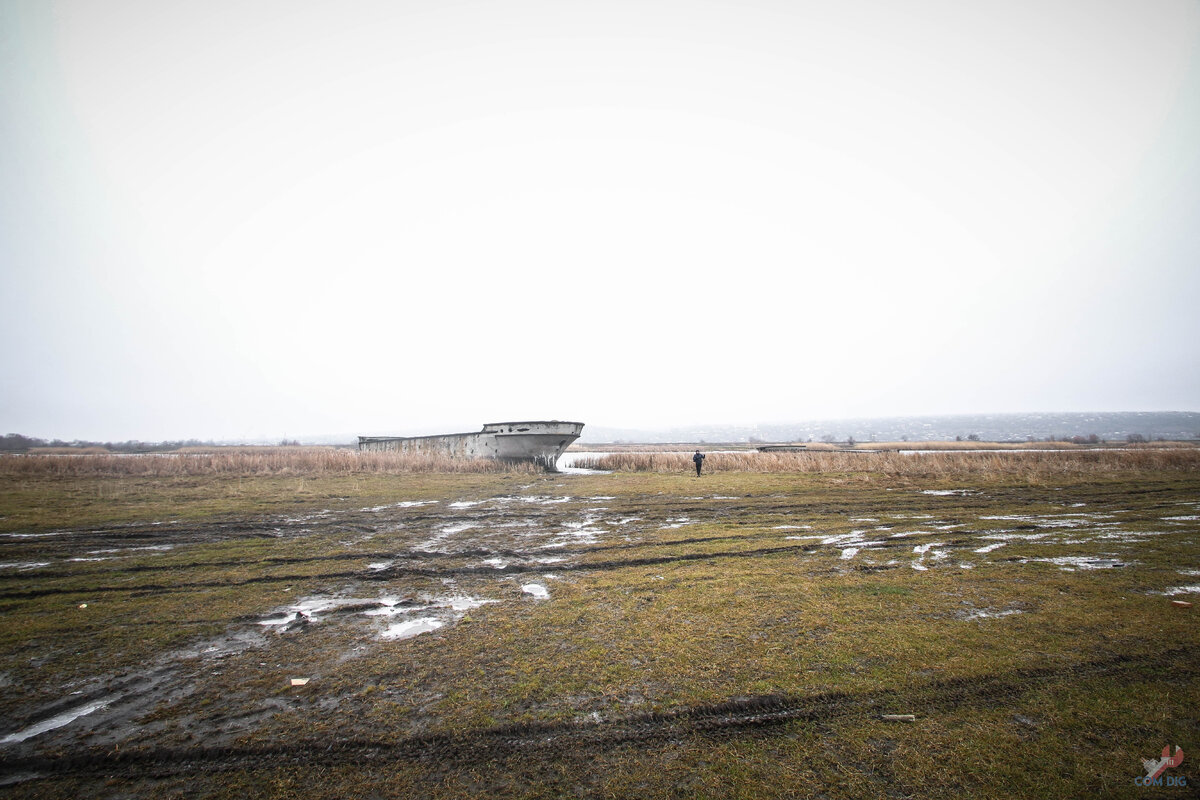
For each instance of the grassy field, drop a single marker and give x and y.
(643, 633)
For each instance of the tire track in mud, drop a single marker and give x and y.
(415, 555)
(390, 573)
(738, 717)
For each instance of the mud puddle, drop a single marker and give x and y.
(537, 590)
(1073, 563)
(1174, 590)
(57, 721)
(987, 613)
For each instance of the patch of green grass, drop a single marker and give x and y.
(48, 502)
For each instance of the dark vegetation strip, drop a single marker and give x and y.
(416, 555)
(732, 718)
(391, 572)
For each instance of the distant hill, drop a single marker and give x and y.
(1109, 425)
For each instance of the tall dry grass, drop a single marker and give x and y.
(247, 461)
(937, 465)
(326, 461)
(963, 446)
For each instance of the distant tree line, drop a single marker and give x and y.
(18, 443)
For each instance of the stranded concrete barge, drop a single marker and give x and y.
(541, 442)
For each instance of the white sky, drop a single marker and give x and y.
(229, 219)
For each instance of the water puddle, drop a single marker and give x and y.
(1072, 563)
(157, 548)
(844, 538)
(401, 504)
(580, 532)
(411, 628)
(1009, 536)
(1174, 590)
(57, 721)
(543, 500)
(1079, 520)
(443, 533)
(23, 565)
(437, 611)
(988, 613)
(926, 549)
(538, 591)
(393, 606)
(312, 610)
(1133, 536)
(566, 470)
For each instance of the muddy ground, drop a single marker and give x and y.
(608, 635)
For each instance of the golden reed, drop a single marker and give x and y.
(246, 461)
(942, 464)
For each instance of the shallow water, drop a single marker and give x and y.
(57, 721)
(411, 628)
(985, 613)
(1174, 590)
(1071, 563)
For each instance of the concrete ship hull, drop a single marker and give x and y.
(541, 442)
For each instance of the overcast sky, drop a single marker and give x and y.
(231, 219)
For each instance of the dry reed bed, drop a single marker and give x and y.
(944, 464)
(324, 461)
(281, 461)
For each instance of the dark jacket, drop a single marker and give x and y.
(698, 457)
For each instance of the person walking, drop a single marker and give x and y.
(698, 459)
